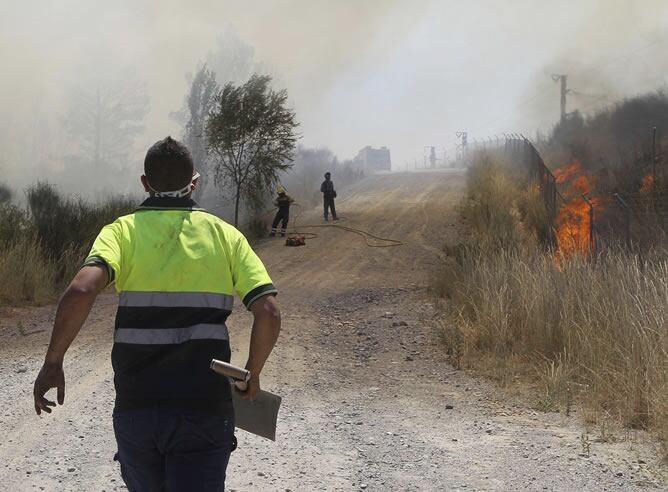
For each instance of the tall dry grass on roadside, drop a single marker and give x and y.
(597, 330)
(594, 331)
(502, 207)
(28, 275)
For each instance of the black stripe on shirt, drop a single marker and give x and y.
(258, 292)
(168, 317)
(99, 261)
(167, 203)
(172, 376)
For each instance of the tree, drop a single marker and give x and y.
(5, 194)
(200, 101)
(104, 118)
(251, 135)
(232, 60)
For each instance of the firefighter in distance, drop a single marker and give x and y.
(328, 195)
(283, 202)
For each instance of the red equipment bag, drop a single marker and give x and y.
(295, 241)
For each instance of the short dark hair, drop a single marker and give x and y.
(168, 165)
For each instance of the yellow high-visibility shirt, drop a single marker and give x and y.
(176, 268)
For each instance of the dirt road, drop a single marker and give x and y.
(369, 399)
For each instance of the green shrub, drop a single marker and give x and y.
(5, 194)
(14, 224)
(61, 224)
(257, 228)
(42, 248)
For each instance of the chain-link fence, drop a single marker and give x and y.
(520, 152)
(632, 220)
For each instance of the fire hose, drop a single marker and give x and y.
(368, 237)
(371, 240)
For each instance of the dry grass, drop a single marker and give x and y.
(31, 276)
(28, 276)
(596, 332)
(490, 205)
(601, 328)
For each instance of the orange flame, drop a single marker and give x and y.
(567, 172)
(647, 184)
(573, 224)
(573, 221)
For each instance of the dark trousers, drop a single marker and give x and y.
(282, 216)
(173, 450)
(329, 204)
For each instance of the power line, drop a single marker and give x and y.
(622, 57)
(513, 110)
(576, 73)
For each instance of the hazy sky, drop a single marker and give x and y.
(404, 74)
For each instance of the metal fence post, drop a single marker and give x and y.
(592, 241)
(627, 209)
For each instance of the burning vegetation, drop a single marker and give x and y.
(574, 223)
(647, 184)
(520, 301)
(617, 161)
(585, 333)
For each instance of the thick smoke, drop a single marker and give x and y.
(379, 72)
(615, 49)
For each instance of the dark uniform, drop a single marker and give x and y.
(283, 202)
(328, 195)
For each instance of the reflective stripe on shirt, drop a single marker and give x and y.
(169, 336)
(176, 299)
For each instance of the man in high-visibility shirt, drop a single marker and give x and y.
(176, 268)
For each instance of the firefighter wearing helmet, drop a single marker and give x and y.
(283, 202)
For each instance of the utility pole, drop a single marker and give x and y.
(431, 150)
(654, 157)
(564, 90)
(97, 145)
(463, 136)
(627, 213)
(592, 236)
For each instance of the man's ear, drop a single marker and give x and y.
(144, 182)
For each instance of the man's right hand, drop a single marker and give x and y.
(252, 388)
(50, 376)
(266, 326)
